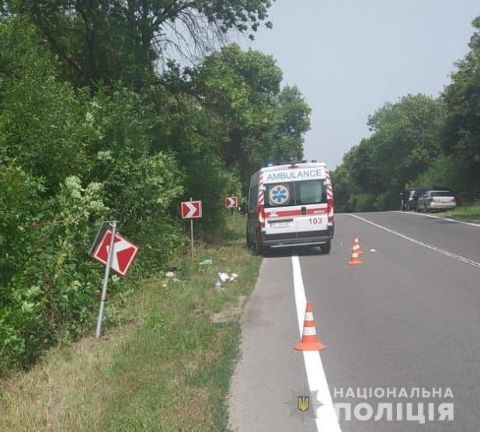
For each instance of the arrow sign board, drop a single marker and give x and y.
(124, 252)
(231, 202)
(191, 209)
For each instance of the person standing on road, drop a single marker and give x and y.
(404, 198)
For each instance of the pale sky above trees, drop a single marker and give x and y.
(349, 57)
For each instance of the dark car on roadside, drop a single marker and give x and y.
(436, 200)
(412, 200)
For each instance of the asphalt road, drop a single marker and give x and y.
(406, 320)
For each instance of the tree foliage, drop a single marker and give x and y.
(91, 129)
(259, 121)
(107, 41)
(403, 144)
(461, 131)
(419, 141)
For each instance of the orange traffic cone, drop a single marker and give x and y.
(310, 341)
(354, 260)
(356, 246)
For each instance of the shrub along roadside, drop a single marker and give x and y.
(166, 367)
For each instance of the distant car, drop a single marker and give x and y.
(412, 201)
(436, 200)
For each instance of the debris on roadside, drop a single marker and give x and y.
(171, 277)
(206, 262)
(222, 278)
(217, 286)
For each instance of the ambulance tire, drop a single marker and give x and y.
(249, 243)
(258, 249)
(325, 248)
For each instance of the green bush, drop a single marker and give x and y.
(48, 282)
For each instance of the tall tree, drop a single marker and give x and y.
(292, 125)
(108, 40)
(406, 137)
(403, 144)
(259, 121)
(461, 134)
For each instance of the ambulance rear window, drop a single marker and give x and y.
(310, 192)
(295, 193)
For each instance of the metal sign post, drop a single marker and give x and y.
(191, 232)
(101, 230)
(113, 224)
(191, 235)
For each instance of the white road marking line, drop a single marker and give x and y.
(420, 243)
(326, 418)
(440, 217)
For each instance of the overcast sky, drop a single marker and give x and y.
(349, 57)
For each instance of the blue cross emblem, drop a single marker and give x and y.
(279, 195)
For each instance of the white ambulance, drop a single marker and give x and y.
(290, 205)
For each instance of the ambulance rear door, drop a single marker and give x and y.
(280, 209)
(311, 199)
(295, 208)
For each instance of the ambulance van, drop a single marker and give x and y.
(289, 206)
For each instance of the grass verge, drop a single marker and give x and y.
(166, 368)
(470, 212)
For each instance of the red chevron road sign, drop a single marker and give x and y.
(231, 202)
(191, 209)
(124, 252)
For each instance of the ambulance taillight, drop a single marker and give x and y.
(330, 211)
(261, 215)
